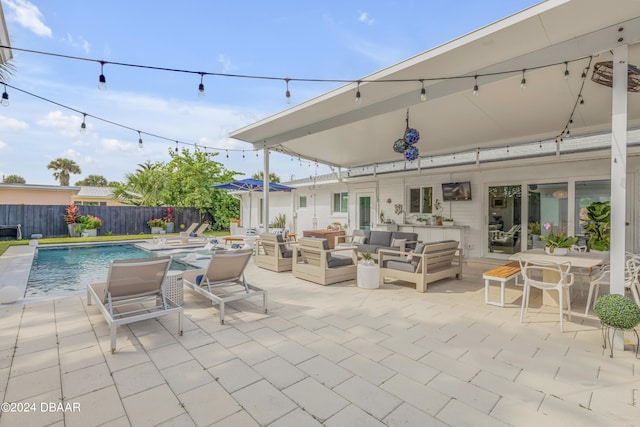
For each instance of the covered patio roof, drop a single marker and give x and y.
(333, 129)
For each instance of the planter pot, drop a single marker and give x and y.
(156, 230)
(72, 230)
(169, 226)
(447, 223)
(556, 251)
(535, 237)
(90, 233)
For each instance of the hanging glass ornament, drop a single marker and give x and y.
(400, 145)
(411, 136)
(411, 153)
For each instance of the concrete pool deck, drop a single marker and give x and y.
(324, 355)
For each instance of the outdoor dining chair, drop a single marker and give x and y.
(547, 276)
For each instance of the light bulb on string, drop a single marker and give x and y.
(523, 82)
(243, 154)
(584, 73)
(201, 85)
(475, 86)
(176, 147)
(423, 92)
(5, 97)
(358, 97)
(287, 94)
(227, 154)
(83, 126)
(566, 71)
(102, 80)
(140, 144)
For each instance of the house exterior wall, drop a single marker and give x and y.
(26, 196)
(474, 213)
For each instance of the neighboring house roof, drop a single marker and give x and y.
(332, 129)
(96, 192)
(26, 187)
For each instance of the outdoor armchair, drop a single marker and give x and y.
(428, 263)
(223, 281)
(273, 253)
(319, 264)
(133, 292)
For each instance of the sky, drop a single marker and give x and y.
(330, 39)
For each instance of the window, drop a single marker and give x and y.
(340, 202)
(421, 200)
(588, 192)
(303, 202)
(88, 203)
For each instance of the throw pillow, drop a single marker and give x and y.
(358, 239)
(396, 243)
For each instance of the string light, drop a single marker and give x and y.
(227, 154)
(287, 94)
(83, 126)
(566, 71)
(201, 85)
(423, 92)
(523, 82)
(102, 80)
(475, 86)
(140, 144)
(176, 147)
(5, 97)
(584, 73)
(358, 99)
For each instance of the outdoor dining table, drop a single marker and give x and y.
(577, 259)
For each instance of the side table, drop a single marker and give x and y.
(173, 286)
(368, 276)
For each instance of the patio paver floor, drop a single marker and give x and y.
(335, 355)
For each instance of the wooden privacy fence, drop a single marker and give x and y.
(48, 220)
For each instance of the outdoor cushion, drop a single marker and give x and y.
(280, 239)
(410, 237)
(339, 261)
(399, 264)
(288, 253)
(380, 238)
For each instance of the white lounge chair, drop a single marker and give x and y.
(223, 281)
(133, 292)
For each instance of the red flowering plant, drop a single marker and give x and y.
(89, 222)
(168, 216)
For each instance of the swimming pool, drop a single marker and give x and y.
(62, 270)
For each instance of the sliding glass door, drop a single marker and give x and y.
(505, 205)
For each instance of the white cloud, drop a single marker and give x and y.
(28, 15)
(364, 17)
(78, 43)
(227, 66)
(3, 146)
(8, 123)
(67, 125)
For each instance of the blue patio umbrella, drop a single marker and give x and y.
(251, 185)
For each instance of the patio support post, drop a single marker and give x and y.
(265, 189)
(618, 174)
(618, 167)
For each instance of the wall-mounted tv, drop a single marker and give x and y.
(456, 191)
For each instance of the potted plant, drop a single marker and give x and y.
(535, 230)
(280, 221)
(437, 207)
(557, 244)
(168, 219)
(157, 225)
(447, 222)
(599, 226)
(72, 213)
(617, 312)
(89, 225)
(367, 258)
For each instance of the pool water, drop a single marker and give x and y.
(62, 270)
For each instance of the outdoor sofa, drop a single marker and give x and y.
(273, 253)
(373, 240)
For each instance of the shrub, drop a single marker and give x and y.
(156, 222)
(617, 311)
(72, 214)
(89, 222)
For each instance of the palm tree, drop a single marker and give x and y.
(272, 177)
(63, 168)
(145, 187)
